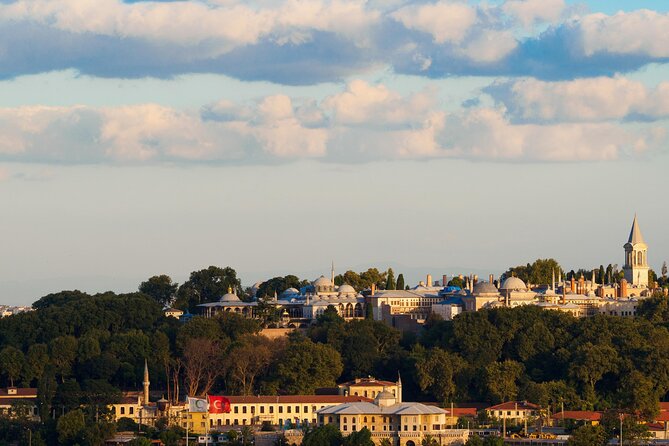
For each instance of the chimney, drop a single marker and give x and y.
(476, 279)
(623, 288)
(573, 285)
(444, 280)
(491, 278)
(429, 280)
(581, 284)
(373, 289)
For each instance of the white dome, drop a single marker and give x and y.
(230, 297)
(385, 399)
(290, 292)
(485, 288)
(513, 283)
(347, 289)
(322, 281)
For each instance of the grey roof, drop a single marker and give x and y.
(371, 408)
(635, 234)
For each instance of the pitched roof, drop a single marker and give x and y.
(462, 412)
(579, 415)
(20, 393)
(515, 405)
(296, 399)
(367, 382)
(635, 233)
(371, 408)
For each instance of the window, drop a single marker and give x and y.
(364, 420)
(122, 410)
(243, 409)
(236, 422)
(297, 409)
(280, 409)
(236, 409)
(345, 428)
(345, 420)
(227, 421)
(132, 410)
(288, 409)
(219, 422)
(373, 420)
(414, 427)
(253, 409)
(271, 409)
(262, 409)
(306, 409)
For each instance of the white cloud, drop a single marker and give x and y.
(642, 32)
(490, 46)
(364, 122)
(445, 20)
(594, 99)
(529, 12)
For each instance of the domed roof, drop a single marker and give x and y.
(230, 297)
(290, 292)
(323, 281)
(385, 398)
(513, 283)
(346, 289)
(485, 288)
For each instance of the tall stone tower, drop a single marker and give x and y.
(636, 258)
(146, 384)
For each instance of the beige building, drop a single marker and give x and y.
(404, 424)
(370, 388)
(16, 402)
(514, 411)
(283, 411)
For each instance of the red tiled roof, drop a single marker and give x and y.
(580, 415)
(664, 405)
(20, 393)
(290, 399)
(462, 411)
(515, 405)
(663, 416)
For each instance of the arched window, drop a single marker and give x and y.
(639, 258)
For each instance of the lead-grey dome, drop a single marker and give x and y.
(485, 288)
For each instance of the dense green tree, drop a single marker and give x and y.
(400, 282)
(206, 285)
(161, 288)
(436, 371)
(588, 436)
(11, 363)
(474, 440)
(326, 435)
(37, 358)
(501, 380)
(71, 427)
(390, 280)
(278, 285)
(305, 366)
(363, 437)
(539, 272)
(456, 282)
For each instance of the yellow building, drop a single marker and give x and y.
(276, 410)
(370, 387)
(404, 424)
(16, 401)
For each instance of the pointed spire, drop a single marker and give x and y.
(553, 280)
(635, 233)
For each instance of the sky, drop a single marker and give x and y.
(278, 136)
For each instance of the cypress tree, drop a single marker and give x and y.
(400, 282)
(390, 281)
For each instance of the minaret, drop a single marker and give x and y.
(399, 387)
(636, 258)
(332, 273)
(146, 384)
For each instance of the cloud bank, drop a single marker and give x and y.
(309, 41)
(361, 123)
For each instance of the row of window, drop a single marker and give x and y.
(289, 409)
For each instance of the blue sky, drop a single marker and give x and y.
(278, 135)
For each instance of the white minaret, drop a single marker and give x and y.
(332, 273)
(146, 384)
(636, 258)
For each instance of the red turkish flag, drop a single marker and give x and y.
(219, 404)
